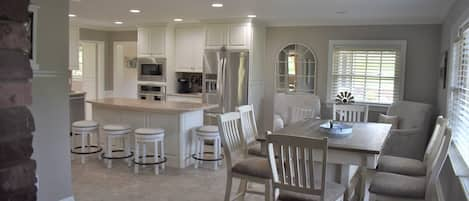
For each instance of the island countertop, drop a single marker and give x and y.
(156, 106)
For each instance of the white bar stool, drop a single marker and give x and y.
(154, 136)
(202, 134)
(119, 132)
(86, 130)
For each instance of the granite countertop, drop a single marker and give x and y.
(155, 106)
(76, 93)
(192, 95)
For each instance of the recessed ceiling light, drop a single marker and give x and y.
(135, 11)
(178, 20)
(217, 5)
(72, 15)
(118, 22)
(252, 16)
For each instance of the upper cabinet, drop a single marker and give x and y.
(74, 46)
(151, 41)
(189, 48)
(233, 36)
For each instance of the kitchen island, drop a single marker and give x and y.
(177, 118)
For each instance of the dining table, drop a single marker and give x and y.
(356, 151)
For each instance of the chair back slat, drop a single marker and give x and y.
(229, 125)
(350, 113)
(293, 168)
(248, 123)
(435, 165)
(436, 138)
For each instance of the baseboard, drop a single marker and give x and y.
(68, 199)
(439, 191)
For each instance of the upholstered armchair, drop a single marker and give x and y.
(410, 138)
(287, 105)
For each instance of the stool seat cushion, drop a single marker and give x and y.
(116, 127)
(255, 167)
(396, 185)
(85, 124)
(207, 129)
(149, 131)
(400, 165)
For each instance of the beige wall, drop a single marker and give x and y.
(109, 37)
(50, 102)
(423, 50)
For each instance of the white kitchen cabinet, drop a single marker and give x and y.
(189, 48)
(233, 36)
(151, 41)
(74, 46)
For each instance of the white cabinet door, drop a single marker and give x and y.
(157, 41)
(74, 46)
(143, 41)
(216, 35)
(238, 36)
(189, 46)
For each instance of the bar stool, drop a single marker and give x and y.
(119, 132)
(154, 136)
(86, 129)
(202, 134)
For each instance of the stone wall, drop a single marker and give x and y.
(17, 169)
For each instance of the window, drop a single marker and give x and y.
(296, 70)
(77, 74)
(371, 70)
(459, 98)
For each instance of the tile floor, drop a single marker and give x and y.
(92, 181)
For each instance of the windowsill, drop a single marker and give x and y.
(460, 168)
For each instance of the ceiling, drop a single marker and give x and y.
(102, 13)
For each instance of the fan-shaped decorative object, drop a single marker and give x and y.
(344, 97)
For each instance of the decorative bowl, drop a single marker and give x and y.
(338, 129)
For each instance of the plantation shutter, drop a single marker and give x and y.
(459, 99)
(371, 74)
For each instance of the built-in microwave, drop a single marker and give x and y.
(152, 69)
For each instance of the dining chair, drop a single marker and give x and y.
(414, 167)
(254, 169)
(395, 187)
(292, 161)
(248, 123)
(283, 103)
(350, 113)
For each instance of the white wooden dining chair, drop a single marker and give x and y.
(292, 160)
(255, 169)
(350, 113)
(300, 113)
(395, 187)
(414, 167)
(250, 132)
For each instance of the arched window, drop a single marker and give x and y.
(296, 70)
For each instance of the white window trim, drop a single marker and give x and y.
(401, 44)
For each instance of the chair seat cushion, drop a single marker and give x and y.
(207, 129)
(149, 131)
(401, 165)
(255, 167)
(255, 149)
(396, 185)
(333, 192)
(85, 124)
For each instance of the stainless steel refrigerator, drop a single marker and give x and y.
(225, 79)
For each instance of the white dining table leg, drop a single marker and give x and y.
(364, 195)
(345, 178)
